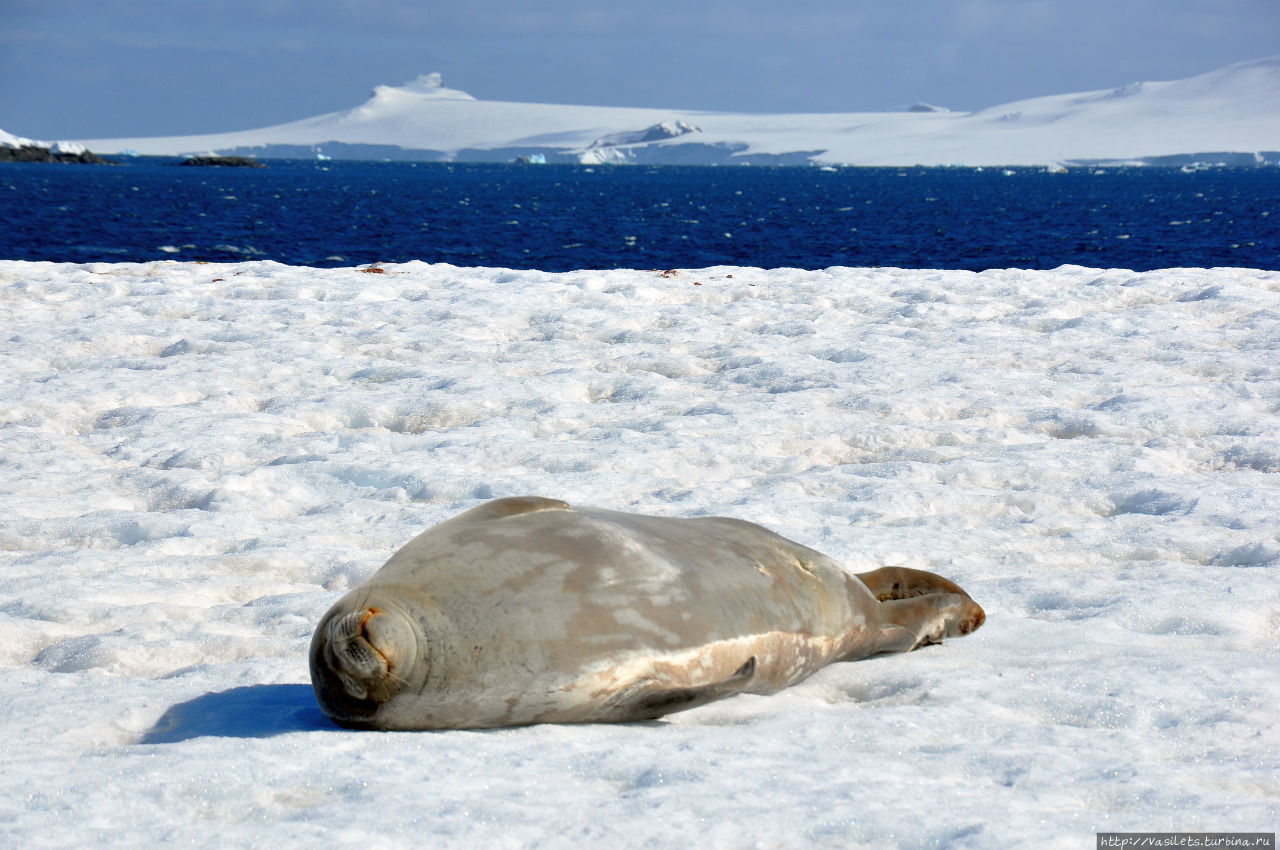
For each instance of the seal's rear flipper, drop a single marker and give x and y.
(905, 583)
(648, 700)
(935, 616)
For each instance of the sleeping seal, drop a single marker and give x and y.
(527, 610)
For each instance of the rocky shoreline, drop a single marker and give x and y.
(38, 153)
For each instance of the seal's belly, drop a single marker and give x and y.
(645, 684)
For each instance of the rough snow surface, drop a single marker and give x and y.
(197, 459)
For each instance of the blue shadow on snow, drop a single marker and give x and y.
(253, 711)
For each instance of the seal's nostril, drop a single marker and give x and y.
(357, 659)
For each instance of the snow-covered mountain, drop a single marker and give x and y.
(1231, 114)
(8, 140)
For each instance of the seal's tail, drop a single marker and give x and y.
(927, 605)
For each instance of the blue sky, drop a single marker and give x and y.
(100, 68)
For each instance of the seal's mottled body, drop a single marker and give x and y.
(528, 611)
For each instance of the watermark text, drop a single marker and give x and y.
(1218, 840)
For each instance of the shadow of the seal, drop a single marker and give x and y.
(253, 711)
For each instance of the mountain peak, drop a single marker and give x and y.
(424, 85)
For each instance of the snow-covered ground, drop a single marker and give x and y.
(1234, 109)
(197, 459)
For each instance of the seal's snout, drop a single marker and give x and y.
(366, 648)
(358, 659)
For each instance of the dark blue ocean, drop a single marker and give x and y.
(558, 217)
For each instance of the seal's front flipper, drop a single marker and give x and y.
(648, 699)
(935, 616)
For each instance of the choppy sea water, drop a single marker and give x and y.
(558, 218)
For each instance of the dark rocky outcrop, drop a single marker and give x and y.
(38, 153)
(224, 161)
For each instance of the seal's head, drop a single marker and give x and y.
(363, 655)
